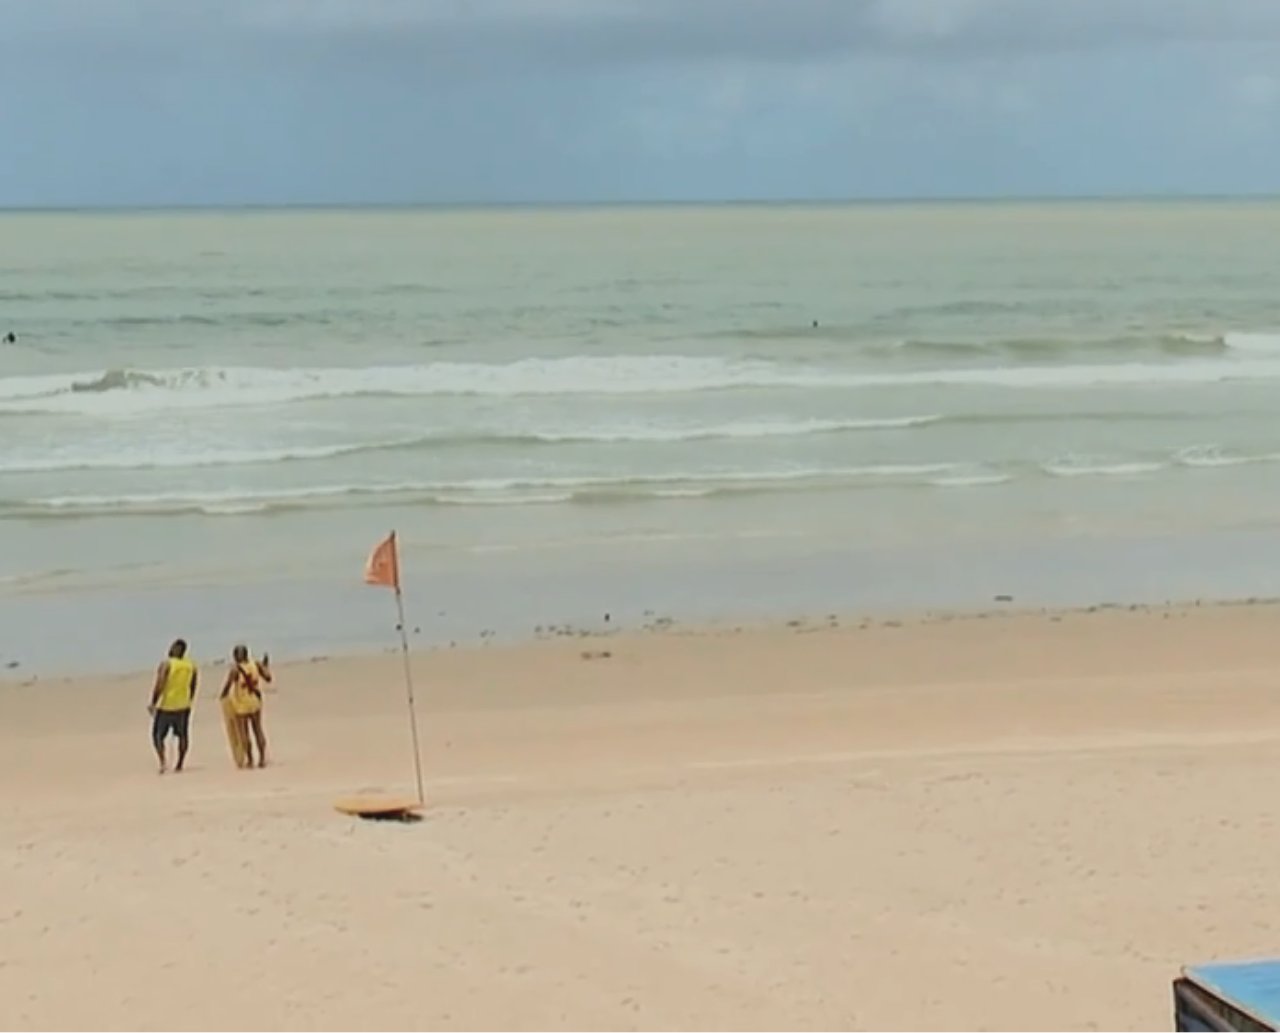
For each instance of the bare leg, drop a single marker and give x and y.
(242, 722)
(157, 740)
(183, 743)
(255, 722)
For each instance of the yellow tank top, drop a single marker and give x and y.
(244, 700)
(176, 694)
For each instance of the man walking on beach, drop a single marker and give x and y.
(171, 699)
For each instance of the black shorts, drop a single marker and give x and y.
(166, 721)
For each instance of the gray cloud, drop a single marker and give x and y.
(190, 101)
(623, 32)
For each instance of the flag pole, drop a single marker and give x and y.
(383, 568)
(408, 683)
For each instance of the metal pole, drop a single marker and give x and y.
(408, 685)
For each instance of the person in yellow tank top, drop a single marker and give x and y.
(243, 688)
(172, 696)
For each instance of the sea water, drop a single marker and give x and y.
(208, 418)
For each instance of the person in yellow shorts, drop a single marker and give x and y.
(244, 689)
(171, 698)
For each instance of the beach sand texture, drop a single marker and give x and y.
(1019, 822)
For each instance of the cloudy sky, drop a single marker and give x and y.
(336, 101)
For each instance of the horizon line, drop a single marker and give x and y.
(745, 202)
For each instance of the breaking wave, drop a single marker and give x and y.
(1247, 357)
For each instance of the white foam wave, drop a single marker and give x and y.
(119, 392)
(1213, 456)
(493, 490)
(1069, 377)
(123, 392)
(537, 498)
(14, 389)
(743, 429)
(233, 508)
(677, 480)
(100, 457)
(971, 480)
(155, 459)
(1208, 456)
(1256, 342)
(683, 493)
(1085, 467)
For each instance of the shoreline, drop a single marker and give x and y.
(506, 598)
(554, 637)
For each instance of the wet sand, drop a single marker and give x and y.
(1012, 822)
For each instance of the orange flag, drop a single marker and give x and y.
(383, 567)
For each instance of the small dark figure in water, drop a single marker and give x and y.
(10, 338)
(815, 324)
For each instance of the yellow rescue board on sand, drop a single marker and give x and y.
(403, 808)
(235, 735)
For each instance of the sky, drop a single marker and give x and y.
(176, 102)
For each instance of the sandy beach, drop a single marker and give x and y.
(1023, 821)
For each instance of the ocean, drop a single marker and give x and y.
(209, 418)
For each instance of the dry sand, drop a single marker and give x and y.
(1020, 822)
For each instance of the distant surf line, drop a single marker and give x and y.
(601, 489)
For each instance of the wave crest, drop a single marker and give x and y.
(480, 491)
(1254, 357)
(152, 458)
(117, 380)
